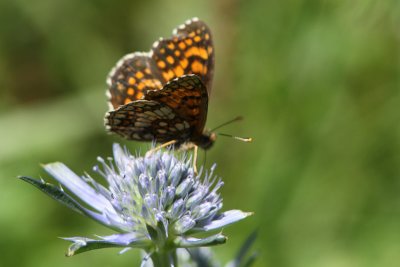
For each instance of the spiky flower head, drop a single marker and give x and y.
(156, 202)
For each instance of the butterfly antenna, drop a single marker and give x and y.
(243, 139)
(238, 118)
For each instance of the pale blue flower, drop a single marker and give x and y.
(155, 203)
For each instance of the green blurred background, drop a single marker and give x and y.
(317, 83)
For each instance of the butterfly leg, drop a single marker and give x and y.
(150, 152)
(195, 150)
(190, 146)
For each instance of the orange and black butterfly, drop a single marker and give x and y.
(162, 95)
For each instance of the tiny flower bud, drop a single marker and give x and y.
(161, 180)
(184, 187)
(176, 209)
(169, 195)
(184, 224)
(151, 201)
(144, 184)
(176, 174)
(195, 199)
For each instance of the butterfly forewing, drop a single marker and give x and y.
(189, 51)
(132, 77)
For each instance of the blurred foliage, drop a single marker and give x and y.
(317, 83)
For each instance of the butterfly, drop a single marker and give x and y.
(162, 95)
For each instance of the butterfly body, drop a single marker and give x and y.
(163, 95)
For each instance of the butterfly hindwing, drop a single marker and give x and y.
(145, 120)
(187, 96)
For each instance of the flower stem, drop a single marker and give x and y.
(164, 258)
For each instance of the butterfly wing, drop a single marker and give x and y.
(187, 97)
(131, 78)
(145, 120)
(176, 112)
(189, 51)
(163, 95)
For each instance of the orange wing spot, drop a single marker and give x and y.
(192, 34)
(170, 60)
(141, 86)
(149, 82)
(189, 42)
(139, 75)
(193, 51)
(184, 63)
(178, 71)
(157, 83)
(139, 95)
(209, 50)
(198, 31)
(131, 80)
(171, 74)
(147, 71)
(162, 50)
(127, 100)
(197, 38)
(168, 75)
(182, 45)
(161, 64)
(203, 53)
(207, 36)
(197, 66)
(205, 70)
(171, 46)
(177, 53)
(130, 91)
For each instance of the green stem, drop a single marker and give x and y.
(163, 252)
(164, 258)
(174, 257)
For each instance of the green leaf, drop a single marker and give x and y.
(83, 244)
(250, 260)
(240, 260)
(203, 257)
(191, 242)
(55, 193)
(244, 249)
(80, 246)
(65, 199)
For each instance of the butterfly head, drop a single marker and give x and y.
(206, 140)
